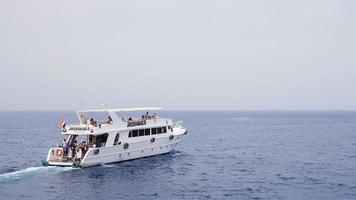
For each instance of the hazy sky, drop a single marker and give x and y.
(184, 54)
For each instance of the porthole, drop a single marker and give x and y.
(152, 149)
(126, 145)
(96, 151)
(120, 155)
(141, 151)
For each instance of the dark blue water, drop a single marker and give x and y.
(226, 155)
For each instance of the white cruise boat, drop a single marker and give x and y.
(114, 139)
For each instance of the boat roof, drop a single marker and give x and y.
(120, 109)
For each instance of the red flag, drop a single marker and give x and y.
(62, 123)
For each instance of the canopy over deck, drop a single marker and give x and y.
(112, 112)
(120, 109)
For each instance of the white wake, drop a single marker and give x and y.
(31, 172)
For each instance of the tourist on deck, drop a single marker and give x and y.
(109, 120)
(83, 120)
(147, 116)
(84, 147)
(64, 142)
(78, 150)
(64, 145)
(73, 148)
(93, 122)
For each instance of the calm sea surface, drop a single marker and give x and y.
(226, 155)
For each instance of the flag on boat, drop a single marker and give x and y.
(62, 123)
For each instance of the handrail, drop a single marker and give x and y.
(177, 124)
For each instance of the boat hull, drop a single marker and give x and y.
(121, 152)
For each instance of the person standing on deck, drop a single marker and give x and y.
(73, 147)
(64, 145)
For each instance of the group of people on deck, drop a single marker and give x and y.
(109, 120)
(147, 116)
(71, 148)
(143, 117)
(92, 122)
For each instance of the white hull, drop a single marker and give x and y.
(162, 144)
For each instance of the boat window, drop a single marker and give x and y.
(164, 129)
(100, 140)
(153, 131)
(116, 139)
(141, 132)
(159, 130)
(147, 131)
(130, 134)
(134, 133)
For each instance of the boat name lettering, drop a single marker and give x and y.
(136, 123)
(79, 129)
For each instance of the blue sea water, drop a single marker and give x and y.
(226, 155)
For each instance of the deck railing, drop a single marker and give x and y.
(177, 124)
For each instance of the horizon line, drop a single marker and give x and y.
(208, 110)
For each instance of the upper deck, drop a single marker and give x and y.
(113, 122)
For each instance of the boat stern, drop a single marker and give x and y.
(56, 157)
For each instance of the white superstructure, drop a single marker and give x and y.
(115, 139)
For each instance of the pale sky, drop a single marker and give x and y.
(184, 54)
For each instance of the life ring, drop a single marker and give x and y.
(126, 145)
(59, 152)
